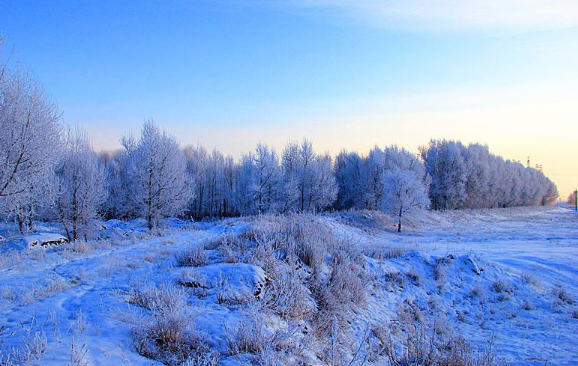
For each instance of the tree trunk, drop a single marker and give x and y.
(399, 221)
(30, 222)
(20, 223)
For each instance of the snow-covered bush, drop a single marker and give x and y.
(287, 293)
(248, 337)
(167, 333)
(427, 345)
(500, 286)
(561, 294)
(194, 256)
(164, 297)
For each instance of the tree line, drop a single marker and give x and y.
(52, 173)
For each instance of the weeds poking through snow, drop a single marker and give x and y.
(528, 305)
(501, 286)
(221, 287)
(194, 256)
(80, 322)
(166, 333)
(81, 247)
(78, 354)
(159, 298)
(563, 295)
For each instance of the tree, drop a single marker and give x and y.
(30, 145)
(119, 203)
(309, 183)
(445, 164)
(349, 175)
(571, 198)
(374, 168)
(405, 193)
(259, 181)
(81, 186)
(157, 168)
(197, 165)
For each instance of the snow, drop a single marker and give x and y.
(487, 273)
(44, 239)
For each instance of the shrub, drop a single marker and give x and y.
(249, 335)
(500, 286)
(421, 345)
(167, 334)
(81, 247)
(414, 276)
(384, 253)
(394, 280)
(286, 293)
(194, 256)
(563, 295)
(163, 298)
(477, 291)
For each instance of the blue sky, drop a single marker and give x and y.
(351, 74)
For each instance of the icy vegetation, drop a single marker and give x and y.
(51, 173)
(481, 287)
(294, 258)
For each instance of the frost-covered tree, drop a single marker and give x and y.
(119, 203)
(471, 177)
(81, 186)
(309, 183)
(374, 169)
(197, 164)
(349, 175)
(30, 145)
(268, 179)
(157, 169)
(571, 198)
(259, 181)
(217, 182)
(405, 193)
(446, 165)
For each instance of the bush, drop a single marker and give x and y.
(421, 345)
(563, 295)
(501, 286)
(166, 334)
(194, 256)
(248, 337)
(286, 293)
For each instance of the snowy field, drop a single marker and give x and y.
(507, 275)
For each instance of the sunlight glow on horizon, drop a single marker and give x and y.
(346, 74)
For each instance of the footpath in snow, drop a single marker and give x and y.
(509, 275)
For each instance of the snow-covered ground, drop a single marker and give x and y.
(509, 275)
(534, 249)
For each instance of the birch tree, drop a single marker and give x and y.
(81, 186)
(30, 145)
(405, 194)
(158, 170)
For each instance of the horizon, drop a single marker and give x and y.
(346, 75)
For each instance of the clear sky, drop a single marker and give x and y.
(344, 73)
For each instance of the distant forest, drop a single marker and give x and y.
(49, 172)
